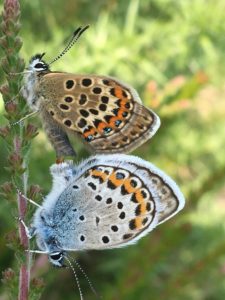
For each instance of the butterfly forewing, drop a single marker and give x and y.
(106, 114)
(115, 200)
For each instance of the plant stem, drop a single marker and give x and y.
(18, 139)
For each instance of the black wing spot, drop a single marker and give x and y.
(97, 177)
(105, 239)
(123, 190)
(103, 107)
(84, 113)
(110, 185)
(122, 215)
(132, 224)
(148, 206)
(105, 99)
(124, 94)
(112, 92)
(82, 123)
(97, 90)
(108, 118)
(98, 198)
(68, 99)
(109, 201)
(127, 236)
(115, 111)
(83, 99)
(75, 187)
(82, 238)
(144, 194)
(82, 218)
(97, 220)
(68, 123)
(92, 185)
(138, 210)
(96, 122)
(114, 228)
(144, 221)
(64, 107)
(120, 205)
(86, 82)
(69, 84)
(93, 111)
(134, 199)
(133, 183)
(106, 81)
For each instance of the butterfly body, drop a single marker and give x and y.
(108, 201)
(104, 112)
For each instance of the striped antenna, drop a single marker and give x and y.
(77, 33)
(76, 277)
(85, 275)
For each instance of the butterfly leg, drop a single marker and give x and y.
(30, 231)
(57, 137)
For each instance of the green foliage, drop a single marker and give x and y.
(172, 52)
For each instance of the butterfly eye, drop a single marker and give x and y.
(39, 65)
(57, 256)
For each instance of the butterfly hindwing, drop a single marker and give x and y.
(112, 201)
(105, 113)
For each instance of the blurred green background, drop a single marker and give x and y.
(172, 52)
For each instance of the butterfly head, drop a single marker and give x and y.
(37, 64)
(57, 258)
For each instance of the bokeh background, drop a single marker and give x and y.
(172, 52)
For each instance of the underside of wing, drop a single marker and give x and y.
(115, 200)
(105, 113)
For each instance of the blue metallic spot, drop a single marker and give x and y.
(89, 138)
(120, 175)
(118, 122)
(107, 129)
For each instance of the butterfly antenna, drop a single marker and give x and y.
(27, 199)
(24, 118)
(20, 73)
(77, 33)
(75, 275)
(86, 276)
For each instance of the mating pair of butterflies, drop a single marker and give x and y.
(109, 200)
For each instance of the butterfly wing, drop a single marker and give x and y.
(105, 113)
(112, 201)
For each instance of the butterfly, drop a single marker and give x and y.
(107, 201)
(104, 112)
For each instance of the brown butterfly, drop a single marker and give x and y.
(104, 112)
